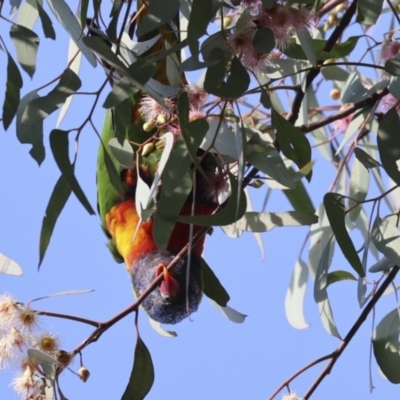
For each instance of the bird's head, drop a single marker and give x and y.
(172, 300)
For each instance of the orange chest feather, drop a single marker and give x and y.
(131, 238)
(134, 239)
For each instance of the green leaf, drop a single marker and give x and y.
(337, 276)
(122, 118)
(183, 153)
(230, 313)
(321, 292)
(160, 330)
(212, 287)
(365, 159)
(58, 199)
(48, 363)
(168, 209)
(389, 144)
(142, 375)
(263, 40)
(84, 5)
(9, 266)
(335, 210)
(124, 153)
(216, 71)
(339, 50)
(67, 19)
(28, 14)
(237, 83)
(31, 134)
(99, 46)
(334, 73)
(26, 43)
(123, 90)
(307, 45)
(263, 222)
(222, 140)
(271, 163)
(386, 238)
(157, 14)
(12, 96)
(59, 144)
(299, 197)
(320, 235)
(47, 25)
(200, 17)
(226, 216)
(359, 184)
(295, 295)
(385, 342)
(293, 142)
(392, 66)
(368, 11)
(39, 109)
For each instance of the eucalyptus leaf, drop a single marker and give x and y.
(230, 313)
(263, 222)
(295, 295)
(26, 43)
(334, 206)
(365, 158)
(389, 144)
(368, 11)
(142, 375)
(212, 287)
(47, 25)
(321, 293)
(386, 238)
(40, 108)
(160, 330)
(157, 14)
(58, 199)
(124, 153)
(12, 95)
(385, 342)
(68, 20)
(293, 142)
(9, 267)
(59, 144)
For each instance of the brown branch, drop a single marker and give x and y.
(354, 329)
(338, 352)
(67, 316)
(338, 31)
(344, 113)
(104, 326)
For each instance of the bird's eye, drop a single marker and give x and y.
(151, 303)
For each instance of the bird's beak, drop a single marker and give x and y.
(169, 286)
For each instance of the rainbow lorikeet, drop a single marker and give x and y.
(131, 240)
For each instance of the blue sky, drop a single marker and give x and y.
(212, 358)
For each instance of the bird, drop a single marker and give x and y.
(131, 239)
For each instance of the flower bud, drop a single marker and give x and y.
(83, 374)
(149, 126)
(161, 119)
(335, 94)
(147, 149)
(228, 112)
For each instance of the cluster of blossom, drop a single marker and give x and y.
(389, 50)
(201, 106)
(283, 20)
(19, 331)
(155, 115)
